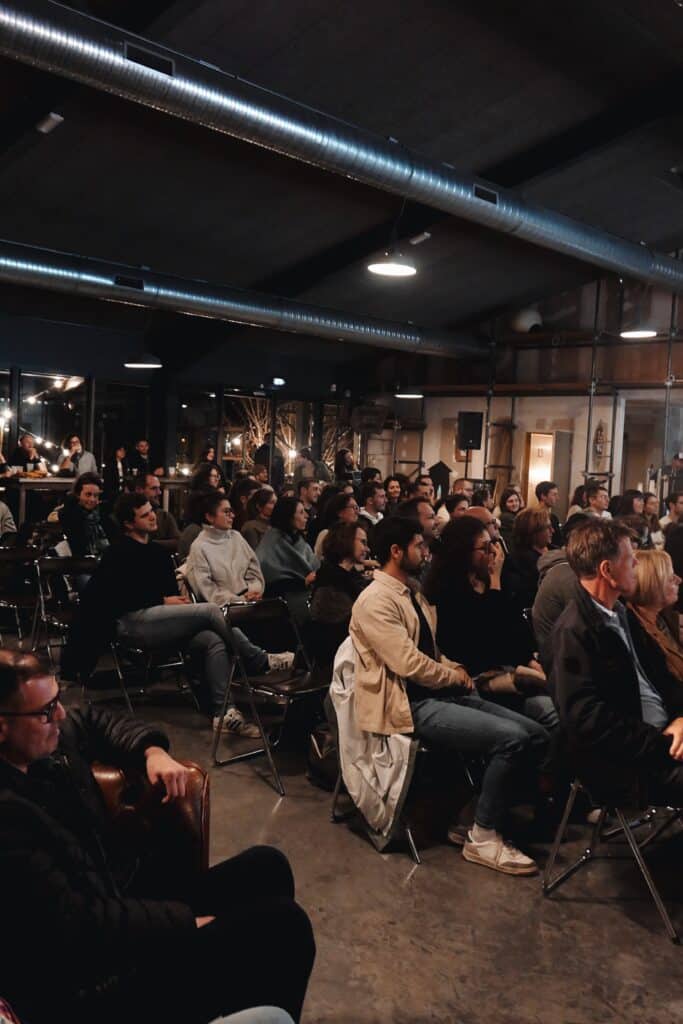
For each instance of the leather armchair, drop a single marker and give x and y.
(180, 827)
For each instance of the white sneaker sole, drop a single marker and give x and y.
(474, 858)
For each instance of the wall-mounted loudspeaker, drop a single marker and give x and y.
(470, 425)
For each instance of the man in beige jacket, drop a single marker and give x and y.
(403, 685)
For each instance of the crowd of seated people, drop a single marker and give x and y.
(495, 585)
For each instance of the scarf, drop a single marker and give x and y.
(656, 627)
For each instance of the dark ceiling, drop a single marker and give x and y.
(577, 105)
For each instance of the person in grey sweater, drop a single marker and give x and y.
(556, 586)
(222, 569)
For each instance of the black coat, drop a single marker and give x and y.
(61, 883)
(597, 693)
(72, 520)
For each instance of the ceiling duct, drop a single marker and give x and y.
(64, 272)
(54, 38)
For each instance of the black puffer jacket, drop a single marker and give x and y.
(60, 882)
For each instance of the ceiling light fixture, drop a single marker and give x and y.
(279, 382)
(48, 123)
(408, 394)
(393, 262)
(143, 361)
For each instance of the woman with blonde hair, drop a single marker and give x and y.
(653, 617)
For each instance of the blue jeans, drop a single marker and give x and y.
(474, 727)
(199, 628)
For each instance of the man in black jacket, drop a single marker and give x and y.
(622, 727)
(113, 950)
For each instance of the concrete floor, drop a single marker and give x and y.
(446, 941)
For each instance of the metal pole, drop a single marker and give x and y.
(593, 382)
(273, 428)
(615, 399)
(670, 378)
(489, 394)
(15, 407)
(89, 439)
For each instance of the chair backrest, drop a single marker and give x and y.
(50, 565)
(15, 556)
(271, 611)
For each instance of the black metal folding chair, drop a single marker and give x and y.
(18, 588)
(149, 662)
(56, 597)
(281, 688)
(625, 828)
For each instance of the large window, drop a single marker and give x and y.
(197, 426)
(51, 407)
(121, 416)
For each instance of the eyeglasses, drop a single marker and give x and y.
(484, 547)
(47, 712)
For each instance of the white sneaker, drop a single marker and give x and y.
(235, 723)
(280, 662)
(499, 855)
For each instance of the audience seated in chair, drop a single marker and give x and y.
(478, 626)
(653, 617)
(7, 525)
(373, 503)
(531, 537)
(287, 560)
(621, 730)
(404, 685)
(395, 491)
(259, 510)
(133, 597)
(337, 585)
(222, 569)
(556, 585)
(342, 508)
(86, 530)
(124, 940)
(240, 494)
(449, 508)
(194, 519)
(167, 533)
(76, 460)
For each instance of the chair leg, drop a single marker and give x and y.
(334, 816)
(411, 845)
(122, 681)
(661, 828)
(649, 881)
(264, 749)
(549, 885)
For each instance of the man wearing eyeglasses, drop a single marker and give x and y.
(93, 935)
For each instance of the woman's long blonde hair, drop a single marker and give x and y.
(653, 570)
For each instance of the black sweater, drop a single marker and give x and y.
(59, 879)
(131, 576)
(481, 631)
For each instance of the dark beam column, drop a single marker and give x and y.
(89, 425)
(13, 432)
(164, 420)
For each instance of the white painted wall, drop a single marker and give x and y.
(543, 414)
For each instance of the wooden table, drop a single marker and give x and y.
(172, 483)
(38, 483)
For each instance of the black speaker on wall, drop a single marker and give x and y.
(470, 426)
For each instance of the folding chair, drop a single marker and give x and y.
(56, 598)
(170, 659)
(282, 688)
(18, 588)
(625, 827)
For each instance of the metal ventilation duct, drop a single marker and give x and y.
(53, 38)
(64, 272)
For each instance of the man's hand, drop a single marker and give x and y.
(675, 730)
(176, 599)
(464, 679)
(253, 595)
(310, 579)
(201, 921)
(162, 768)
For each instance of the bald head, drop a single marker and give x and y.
(486, 518)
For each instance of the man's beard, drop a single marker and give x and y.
(410, 568)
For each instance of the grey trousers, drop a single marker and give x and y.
(199, 628)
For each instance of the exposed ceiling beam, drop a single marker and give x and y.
(53, 38)
(79, 275)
